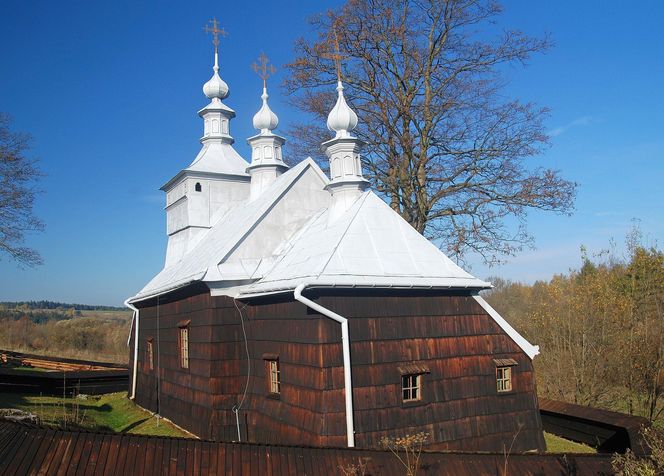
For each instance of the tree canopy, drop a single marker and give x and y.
(600, 329)
(445, 147)
(18, 174)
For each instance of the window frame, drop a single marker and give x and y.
(272, 369)
(149, 351)
(273, 376)
(411, 384)
(183, 344)
(504, 381)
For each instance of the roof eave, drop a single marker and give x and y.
(333, 285)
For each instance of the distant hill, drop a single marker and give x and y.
(54, 305)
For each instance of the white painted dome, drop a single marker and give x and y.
(342, 119)
(215, 87)
(265, 120)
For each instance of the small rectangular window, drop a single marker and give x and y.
(184, 347)
(274, 377)
(411, 387)
(150, 355)
(504, 379)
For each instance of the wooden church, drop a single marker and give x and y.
(297, 308)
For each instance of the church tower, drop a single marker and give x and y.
(215, 181)
(266, 147)
(343, 151)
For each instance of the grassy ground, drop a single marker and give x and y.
(25, 369)
(110, 412)
(556, 444)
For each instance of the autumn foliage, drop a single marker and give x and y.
(600, 329)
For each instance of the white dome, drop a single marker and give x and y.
(342, 119)
(265, 120)
(215, 87)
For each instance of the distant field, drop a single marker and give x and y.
(108, 315)
(88, 334)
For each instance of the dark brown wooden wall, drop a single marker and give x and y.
(457, 340)
(451, 335)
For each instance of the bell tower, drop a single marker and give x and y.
(216, 180)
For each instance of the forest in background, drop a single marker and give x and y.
(600, 329)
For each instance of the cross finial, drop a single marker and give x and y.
(213, 27)
(264, 70)
(336, 56)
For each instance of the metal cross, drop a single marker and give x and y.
(336, 56)
(264, 70)
(215, 30)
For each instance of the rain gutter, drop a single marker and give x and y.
(345, 344)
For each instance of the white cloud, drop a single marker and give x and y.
(579, 121)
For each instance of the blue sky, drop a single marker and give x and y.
(110, 90)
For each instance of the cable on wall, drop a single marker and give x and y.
(236, 408)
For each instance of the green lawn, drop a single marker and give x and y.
(110, 412)
(25, 369)
(556, 444)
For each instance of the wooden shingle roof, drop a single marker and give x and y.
(29, 449)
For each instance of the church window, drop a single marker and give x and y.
(273, 374)
(412, 380)
(504, 374)
(411, 387)
(224, 127)
(150, 354)
(267, 152)
(198, 187)
(215, 126)
(184, 346)
(504, 379)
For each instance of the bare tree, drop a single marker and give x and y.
(444, 146)
(17, 193)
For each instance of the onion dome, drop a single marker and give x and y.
(342, 119)
(265, 120)
(215, 87)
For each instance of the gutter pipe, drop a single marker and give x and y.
(345, 343)
(133, 379)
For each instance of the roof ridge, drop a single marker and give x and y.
(362, 198)
(300, 233)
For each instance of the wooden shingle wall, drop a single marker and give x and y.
(448, 334)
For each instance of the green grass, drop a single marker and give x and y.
(109, 412)
(556, 444)
(25, 369)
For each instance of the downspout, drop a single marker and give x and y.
(345, 343)
(133, 379)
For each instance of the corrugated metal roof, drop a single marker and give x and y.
(28, 449)
(370, 245)
(221, 238)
